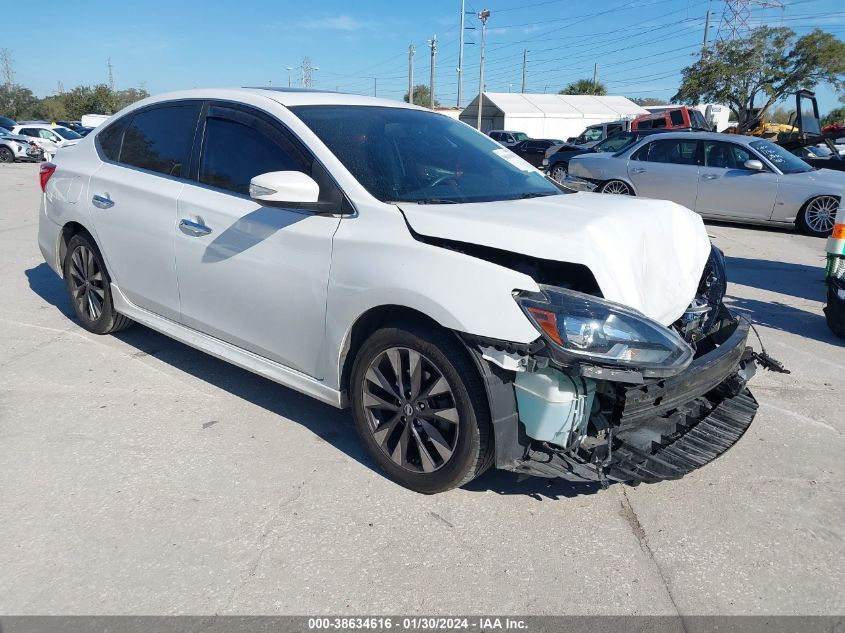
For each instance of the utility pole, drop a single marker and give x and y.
(432, 43)
(595, 76)
(111, 74)
(524, 65)
(706, 33)
(8, 67)
(289, 68)
(461, 54)
(483, 15)
(411, 73)
(375, 86)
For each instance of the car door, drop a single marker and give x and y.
(132, 200)
(666, 169)
(531, 151)
(252, 275)
(45, 142)
(727, 188)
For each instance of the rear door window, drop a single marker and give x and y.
(159, 139)
(675, 151)
(111, 139)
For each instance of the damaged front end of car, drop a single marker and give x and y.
(607, 394)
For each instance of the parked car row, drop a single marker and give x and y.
(48, 138)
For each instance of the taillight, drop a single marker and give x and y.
(45, 172)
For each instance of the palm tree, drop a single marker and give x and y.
(584, 87)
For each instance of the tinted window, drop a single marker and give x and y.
(28, 131)
(111, 138)
(644, 125)
(698, 120)
(233, 153)
(676, 151)
(726, 155)
(160, 139)
(661, 122)
(495, 135)
(677, 117)
(403, 155)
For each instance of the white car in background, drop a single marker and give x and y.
(50, 138)
(17, 148)
(378, 255)
(721, 176)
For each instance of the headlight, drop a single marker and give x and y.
(21, 147)
(588, 329)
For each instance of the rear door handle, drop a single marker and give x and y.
(709, 176)
(194, 229)
(102, 202)
(639, 170)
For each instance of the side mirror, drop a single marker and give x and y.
(292, 187)
(753, 165)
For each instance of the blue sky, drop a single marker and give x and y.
(640, 45)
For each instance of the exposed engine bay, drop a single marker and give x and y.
(584, 421)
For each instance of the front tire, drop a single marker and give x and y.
(560, 171)
(89, 286)
(420, 408)
(6, 155)
(618, 187)
(818, 216)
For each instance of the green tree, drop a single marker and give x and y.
(584, 87)
(648, 101)
(837, 115)
(16, 101)
(752, 73)
(422, 96)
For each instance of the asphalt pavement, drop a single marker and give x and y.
(139, 476)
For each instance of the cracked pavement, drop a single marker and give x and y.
(140, 476)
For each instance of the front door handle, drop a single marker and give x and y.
(710, 176)
(639, 170)
(102, 202)
(194, 229)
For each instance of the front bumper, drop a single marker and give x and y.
(664, 428)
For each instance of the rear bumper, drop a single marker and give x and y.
(666, 428)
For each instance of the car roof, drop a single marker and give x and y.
(288, 97)
(711, 136)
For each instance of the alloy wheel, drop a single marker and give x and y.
(821, 213)
(559, 174)
(86, 283)
(617, 187)
(6, 155)
(411, 410)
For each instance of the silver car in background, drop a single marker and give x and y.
(721, 176)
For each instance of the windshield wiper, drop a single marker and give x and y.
(433, 201)
(535, 194)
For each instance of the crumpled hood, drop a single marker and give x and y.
(646, 254)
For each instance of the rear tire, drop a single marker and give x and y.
(818, 216)
(618, 187)
(427, 425)
(89, 286)
(6, 155)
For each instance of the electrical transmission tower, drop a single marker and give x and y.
(8, 66)
(734, 21)
(111, 74)
(307, 72)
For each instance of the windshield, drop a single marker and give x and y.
(615, 143)
(405, 155)
(786, 161)
(66, 134)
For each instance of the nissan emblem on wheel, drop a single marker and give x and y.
(470, 311)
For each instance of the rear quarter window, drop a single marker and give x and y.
(110, 139)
